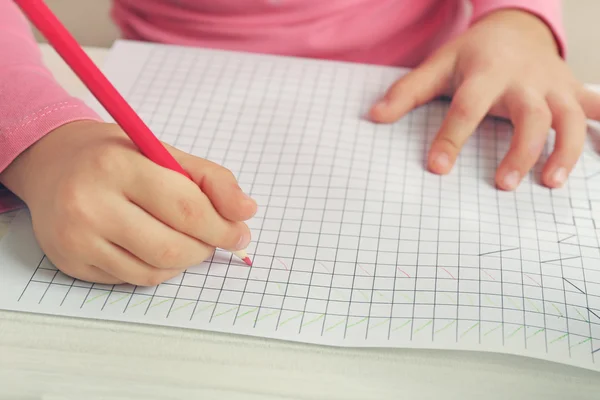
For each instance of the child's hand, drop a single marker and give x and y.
(507, 64)
(102, 212)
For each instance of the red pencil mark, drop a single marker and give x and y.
(361, 267)
(282, 263)
(448, 272)
(488, 274)
(532, 280)
(404, 272)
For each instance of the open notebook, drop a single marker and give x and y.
(355, 243)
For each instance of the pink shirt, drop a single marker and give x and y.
(390, 32)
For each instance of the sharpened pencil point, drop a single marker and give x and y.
(248, 261)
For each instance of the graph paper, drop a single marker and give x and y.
(354, 243)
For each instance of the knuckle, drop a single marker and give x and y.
(538, 110)
(74, 202)
(462, 109)
(188, 210)
(107, 159)
(449, 142)
(169, 256)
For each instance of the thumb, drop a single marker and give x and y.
(219, 185)
(417, 87)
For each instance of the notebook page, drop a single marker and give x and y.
(354, 243)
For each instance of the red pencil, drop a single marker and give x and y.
(67, 47)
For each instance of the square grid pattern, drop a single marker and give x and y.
(355, 243)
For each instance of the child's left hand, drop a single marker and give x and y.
(507, 65)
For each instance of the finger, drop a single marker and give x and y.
(468, 108)
(414, 89)
(531, 119)
(570, 126)
(590, 102)
(180, 204)
(152, 241)
(124, 266)
(87, 273)
(220, 185)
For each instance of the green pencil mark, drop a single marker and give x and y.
(514, 303)
(536, 333)
(381, 323)
(313, 320)
(559, 338)
(141, 302)
(490, 300)
(247, 312)
(96, 297)
(446, 326)
(515, 331)
(582, 342)
(401, 326)
(424, 326)
(120, 298)
(581, 315)
(225, 312)
(385, 297)
(471, 299)
(363, 295)
(268, 315)
(493, 330)
(336, 325)
(405, 296)
(450, 297)
(159, 303)
(556, 308)
(290, 319)
(357, 323)
(280, 288)
(533, 305)
(182, 306)
(470, 329)
(205, 308)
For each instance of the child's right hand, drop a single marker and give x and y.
(103, 212)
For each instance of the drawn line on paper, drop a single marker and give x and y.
(96, 297)
(313, 320)
(205, 308)
(493, 330)
(324, 267)
(446, 326)
(559, 338)
(581, 342)
(401, 326)
(336, 325)
(571, 283)
(225, 312)
(513, 333)
(450, 297)
(470, 329)
(290, 319)
(595, 351)
(590, 310)
(385, 297)
(120, 298)
(490, 300)
(514, 302)
(363, 294)
(423, 327)
(380, 323)
(470, 299)
(497, 251)
(556, 308)
(536, 333)
(282, 263)
(448, 272)
(247, 312)
(581, 315)
(532, 280)
(364, 270)
(561, 259)
(533, 305)
(403, 271)
(141, 302)
(567, 238)
(182, 306)
(159, 303)
(268, 315)
(487, 273)
(280, 288)
(358, 323)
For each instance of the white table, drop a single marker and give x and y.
(77, 358)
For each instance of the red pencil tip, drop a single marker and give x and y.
(248, 261)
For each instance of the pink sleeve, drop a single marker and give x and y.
(549, 11)
(31, 101)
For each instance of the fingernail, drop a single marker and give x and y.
(511, 180)
(243, 242)
(442, 161)
(559, 176)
